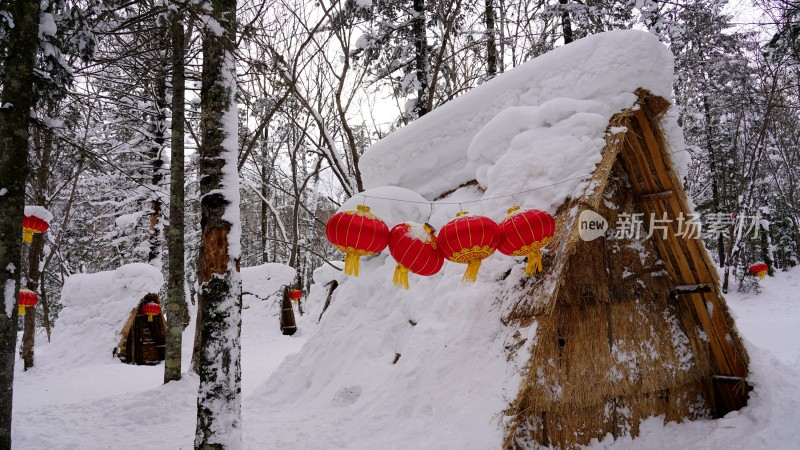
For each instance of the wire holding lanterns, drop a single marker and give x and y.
(467, 239)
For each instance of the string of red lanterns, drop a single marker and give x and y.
(467, 239)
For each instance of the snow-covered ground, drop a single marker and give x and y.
(424, 368)
(105, 404)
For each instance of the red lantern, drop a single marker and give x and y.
(469, 240)
(295, 294)
(27, 299)
(357, 233)
(151, 309)
(36, 220)
(524, 233)
(760, 269)
(414, 248)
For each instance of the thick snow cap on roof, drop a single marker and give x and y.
(540, 124)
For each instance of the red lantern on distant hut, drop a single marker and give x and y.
(357, 233)
(524, 233)
(414, 248)
(295, 294)
(469, 240)
(36, 220)
(759, 269)
(27, 299)
(151, 309)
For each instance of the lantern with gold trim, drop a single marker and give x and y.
(27, 299)
(36, 220)
(469, 240)
(759, 269)
(357, 233)
(295, 295)
(524, 233)
(151, 309)
(414, 248)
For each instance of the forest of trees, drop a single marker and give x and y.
(130, 148)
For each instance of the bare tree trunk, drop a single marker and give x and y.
(491, 45)
(17, 100)
(29, 328)
(156, 154)
(566, 23)
(421, 58)
(218, 401)
(264, 207)
(177, 309)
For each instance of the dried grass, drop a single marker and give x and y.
(612, 345)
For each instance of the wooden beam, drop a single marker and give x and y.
(656, 195)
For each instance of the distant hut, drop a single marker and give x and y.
(143, 341)
(627, 328)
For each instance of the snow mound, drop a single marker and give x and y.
(541, 125)
(264, 281)
(96, 307)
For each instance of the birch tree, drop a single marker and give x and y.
(218, 401)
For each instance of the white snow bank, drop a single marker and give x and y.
(447, 388)
(96, 307)
(539, 125)
(261, 282)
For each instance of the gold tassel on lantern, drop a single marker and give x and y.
(21, 310)
(535, 257)
(400, 278)
(351, 264)
(471, 274)
(27, 235)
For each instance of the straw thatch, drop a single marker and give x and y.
(626, 327)
(143, 342)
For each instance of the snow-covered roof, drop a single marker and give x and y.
(540, 124)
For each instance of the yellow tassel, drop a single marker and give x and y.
(400, 278)
(351, 264)
(471, 274)
(149, 317)
(27, 235)
(534, 263)
(21, 310)
(762, 274)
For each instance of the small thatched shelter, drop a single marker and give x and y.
(143, 342)
(627, 327)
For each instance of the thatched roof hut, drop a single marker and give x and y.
(143, 341)
(627, 327)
